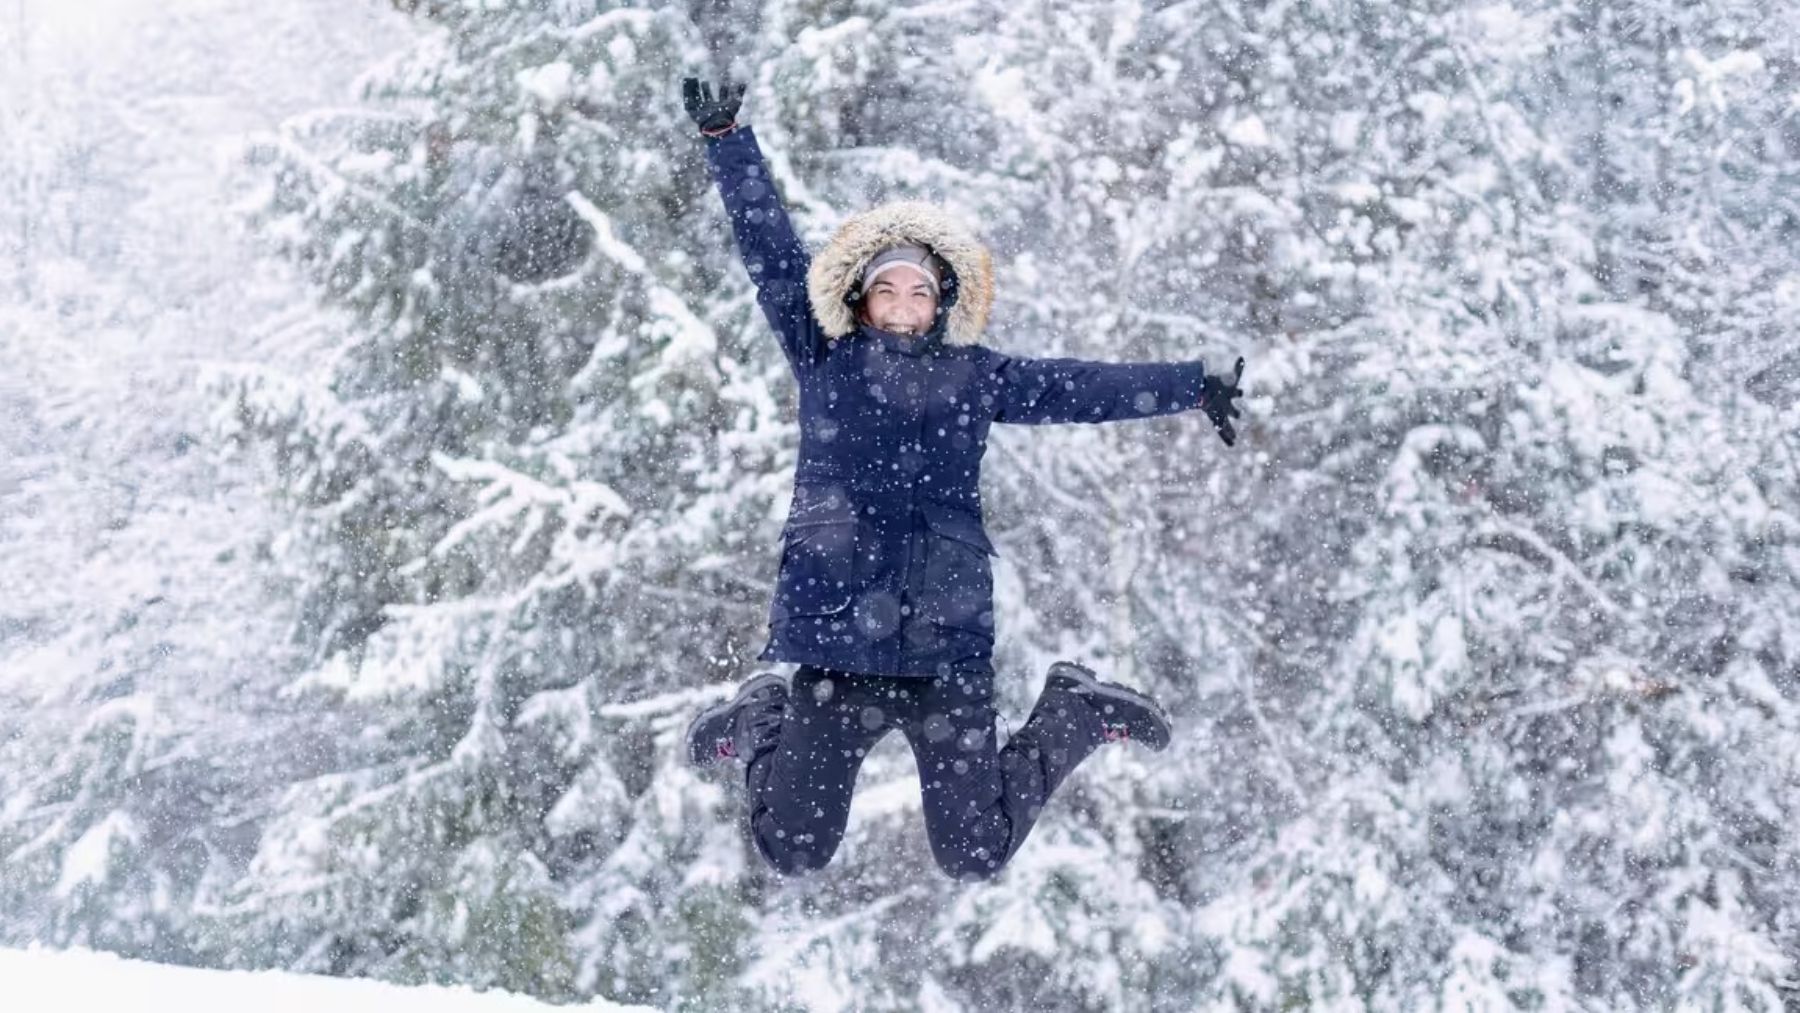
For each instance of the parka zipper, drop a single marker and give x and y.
(915, 540)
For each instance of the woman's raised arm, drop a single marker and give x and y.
(773, 254)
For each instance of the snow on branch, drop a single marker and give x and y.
(508, 493)
(688, 335)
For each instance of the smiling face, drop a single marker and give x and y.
(901, 301)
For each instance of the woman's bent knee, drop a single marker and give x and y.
(792, 854)
(971, 865)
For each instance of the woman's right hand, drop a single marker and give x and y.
(715, 117)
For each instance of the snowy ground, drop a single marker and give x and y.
(39, 979)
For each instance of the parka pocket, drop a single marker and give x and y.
(818, 561)
(958, 588)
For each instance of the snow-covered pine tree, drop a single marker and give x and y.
(1550, 507)
(1420, 628)
(139, 654)
(531, 498)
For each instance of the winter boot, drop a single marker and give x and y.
(736, 728)
(1124, 714)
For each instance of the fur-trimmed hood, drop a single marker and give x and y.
(835, 271)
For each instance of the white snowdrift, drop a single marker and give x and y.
(39, 981)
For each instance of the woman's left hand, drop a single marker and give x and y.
(1216, 395)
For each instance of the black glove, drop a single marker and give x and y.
(1216, 394)
(714, 116)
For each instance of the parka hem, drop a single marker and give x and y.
(836, 660)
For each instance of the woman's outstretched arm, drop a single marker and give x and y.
(1041, 391)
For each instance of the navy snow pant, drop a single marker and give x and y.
(980, 799)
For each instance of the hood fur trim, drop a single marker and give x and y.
(834, 272)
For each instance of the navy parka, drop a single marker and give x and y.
(885, 566)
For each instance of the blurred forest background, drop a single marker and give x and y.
(392, 457)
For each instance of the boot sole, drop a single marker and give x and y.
(1092, 686)
(744, 693)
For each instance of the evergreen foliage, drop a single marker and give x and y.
(1500, 589)
(1480, 643)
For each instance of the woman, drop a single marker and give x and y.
(885, 594)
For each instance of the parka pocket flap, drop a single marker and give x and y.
(782, 609)
(822, 536)
(822, 504)
(959, 525)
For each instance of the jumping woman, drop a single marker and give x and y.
(884, 596)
